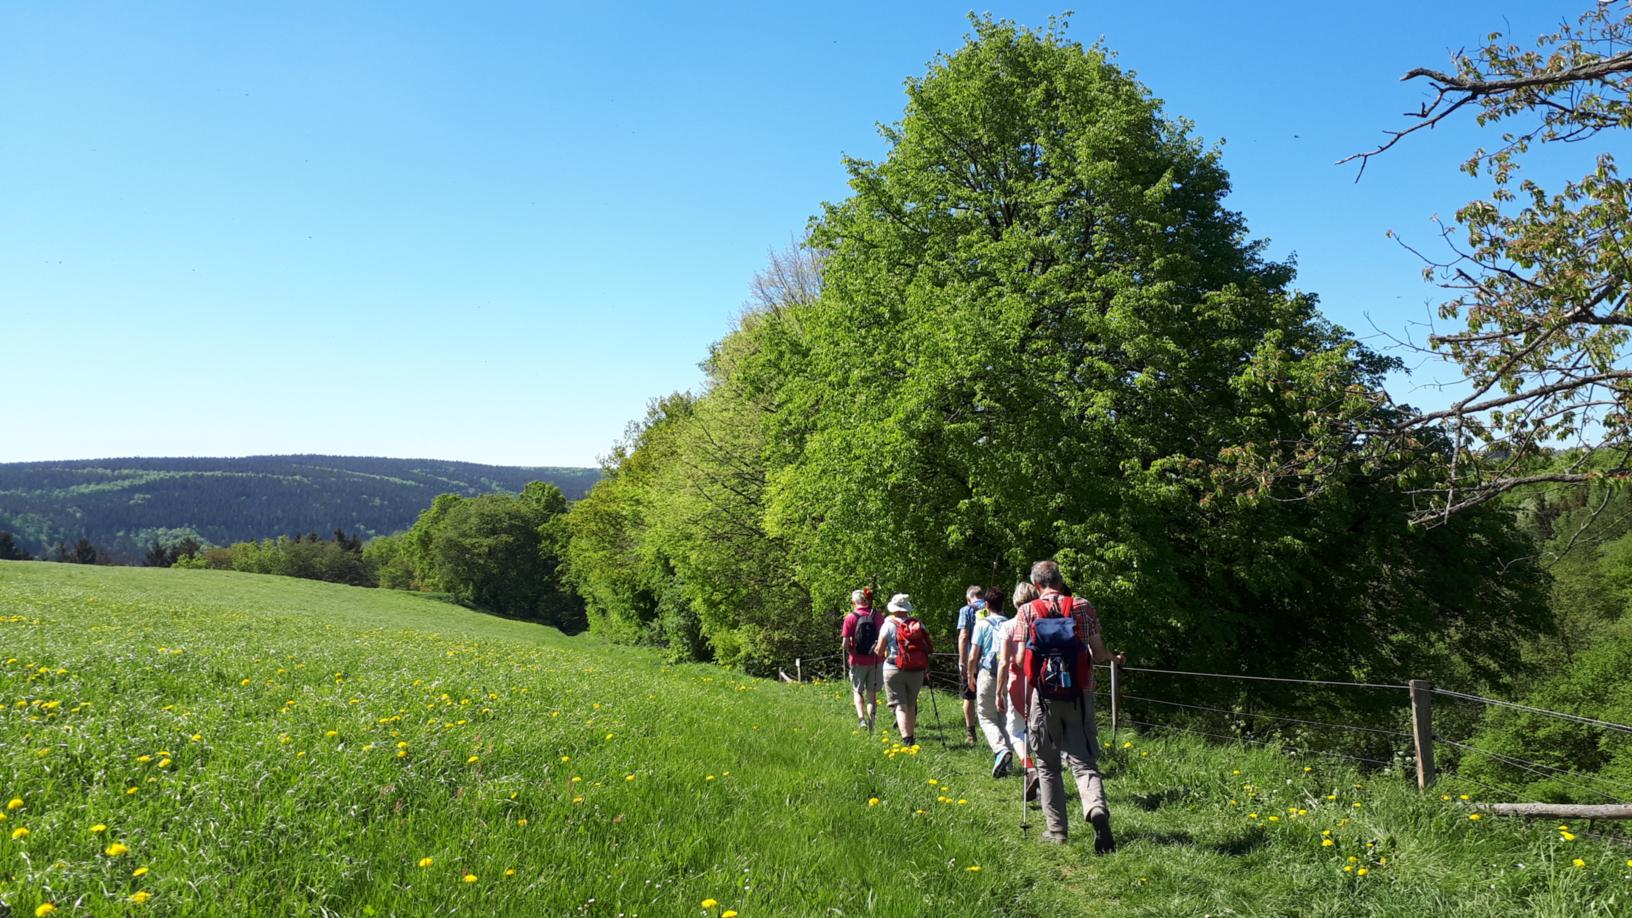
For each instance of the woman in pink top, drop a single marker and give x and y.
(1011, 694)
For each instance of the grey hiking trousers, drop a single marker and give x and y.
(1065, 728)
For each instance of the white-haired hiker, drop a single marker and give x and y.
(904, 644)
(858, 636)
(981, 665)
(1061, 640)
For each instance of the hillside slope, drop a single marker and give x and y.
(121, 504)
(205, 742)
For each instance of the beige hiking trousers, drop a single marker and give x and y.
(1065, 728)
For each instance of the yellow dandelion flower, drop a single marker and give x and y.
(1567, 836)
(1274, 819)
(197, 737)
(872, 801)
(117, 849)
(565, 759)
(629, 777)
(19, 833)
(962, 802)
(98, 829)
(425, 862)
(973, 868)
(1579, 864)
(1475, 817)
(139, 872)
(510, 872)
(709, 903)
(933, 782)
(1348, 868)
(1463, 797)
(472, 760)
(729, 913)
(243, 681)
(164, 763)
(1327, 843)
(15, 803)
(45, 908)
(140, 896)
(522, 822)
(577, 800)
(470, 878)
(709, 778)
(1361, 872)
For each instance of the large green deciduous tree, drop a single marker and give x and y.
(1042, 333)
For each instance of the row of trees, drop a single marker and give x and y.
(499, 552)
(336, 560)
(1034, 330)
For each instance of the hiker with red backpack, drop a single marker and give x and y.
(904, 644)
(1060, 641)
(858, 636)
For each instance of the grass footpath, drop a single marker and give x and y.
(207, 742)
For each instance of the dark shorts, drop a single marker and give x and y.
(963, 685)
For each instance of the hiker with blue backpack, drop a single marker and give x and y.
(981, 665)
(904, 643)
(974, 604)
(1059, 641)
(857, 637)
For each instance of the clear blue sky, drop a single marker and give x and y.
(491, 232)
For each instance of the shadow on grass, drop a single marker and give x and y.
(1236, 845)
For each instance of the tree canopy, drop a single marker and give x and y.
(1039, 332)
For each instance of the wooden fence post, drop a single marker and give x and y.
(1422, 729)
(799, 669)
(1116, 696)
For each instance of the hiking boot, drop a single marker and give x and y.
(1054, 838)
(1031, 786)
(1000, 764)
(1103, 842)
(862, 723)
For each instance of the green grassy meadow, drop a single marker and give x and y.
(203, 742)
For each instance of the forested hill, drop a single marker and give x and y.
(123, 504)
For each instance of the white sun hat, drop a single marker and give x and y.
(900, 602)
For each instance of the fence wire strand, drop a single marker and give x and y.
(1290, 720)
(1592, 721)
(1264, 743)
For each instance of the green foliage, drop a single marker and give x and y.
(1584, 535)
(310, 558)
(1040, 333)
(498, 552)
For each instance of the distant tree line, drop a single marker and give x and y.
(337, 560)
(124, 505)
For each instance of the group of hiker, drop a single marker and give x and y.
(1026, 681)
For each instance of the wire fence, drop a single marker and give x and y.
(1378, 735)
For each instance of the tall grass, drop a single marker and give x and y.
(204, 742)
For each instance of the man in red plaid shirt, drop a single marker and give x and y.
(1057, 728)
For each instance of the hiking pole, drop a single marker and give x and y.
(937, 709)
(1025, 762)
